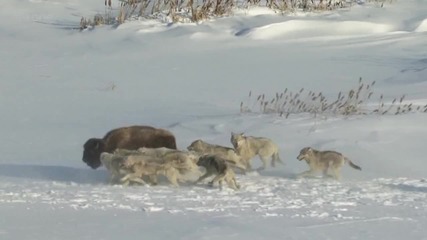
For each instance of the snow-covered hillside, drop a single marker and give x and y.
(59, 87)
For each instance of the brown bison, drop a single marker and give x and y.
(131, 138)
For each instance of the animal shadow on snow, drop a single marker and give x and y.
(54, 173)
(279, 173)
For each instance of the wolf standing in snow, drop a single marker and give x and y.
(322, 161)
(248, 147)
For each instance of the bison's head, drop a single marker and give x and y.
(92, 152)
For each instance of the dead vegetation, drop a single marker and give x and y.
(120, 11)
(360, 100)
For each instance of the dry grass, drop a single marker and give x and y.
(119, 11)
(358, 101)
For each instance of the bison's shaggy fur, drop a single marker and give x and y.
(131, 138)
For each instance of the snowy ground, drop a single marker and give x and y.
(56, 91)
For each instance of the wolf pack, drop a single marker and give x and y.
(202, 160)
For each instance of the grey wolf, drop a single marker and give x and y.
(323, 161)
(138, 167)
(216, 165)
(150, 163)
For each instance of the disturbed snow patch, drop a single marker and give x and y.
(259, 196)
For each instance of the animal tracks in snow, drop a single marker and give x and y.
(259, 196)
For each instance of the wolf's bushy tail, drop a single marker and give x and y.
(352, 164)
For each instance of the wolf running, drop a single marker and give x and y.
(202, 160)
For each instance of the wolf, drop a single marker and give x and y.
(163, 155)
(322, 161)
(138, 167)
(112, 163)
(173, 164)
(248, 147)
(156, 152)
(216, 165)
(225, 152)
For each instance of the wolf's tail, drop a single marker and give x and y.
(352, 164)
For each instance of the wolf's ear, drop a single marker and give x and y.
(240, 142)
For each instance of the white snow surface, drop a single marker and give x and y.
(59, 87)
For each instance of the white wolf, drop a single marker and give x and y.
(248, 147)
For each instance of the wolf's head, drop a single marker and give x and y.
(305, 153)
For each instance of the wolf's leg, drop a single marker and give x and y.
(264, 163)
(172, 179)
(131, 177)
(113, 179)
(138, 180)
(153, 179)
(231, 181)
(248, 165)
(325, 173)
(305, 174)
(241, 168)
(217, 178)
(220, 184)
(336, 174)
(273, 161)
(235, 183)
(207, 174)
(125, 178)
(275, 158)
